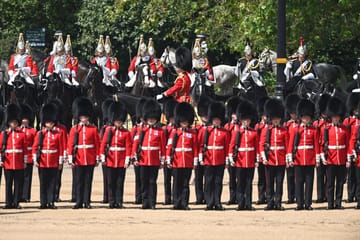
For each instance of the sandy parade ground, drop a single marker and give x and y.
(165, 223)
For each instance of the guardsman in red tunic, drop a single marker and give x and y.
(149, 152)
(83, 150)
(27, 123)
(273, 145)
(232, 125)
(244, 153)
(115, 152)
(213, 154)
(168, 110)
(321, 123)
(13, 156)
(48, 155)
(182, 153)
(291, 102)
(303, 153)
(181, 88)
(261, 168)
(335, 152)
(156, 64)
(74, 60)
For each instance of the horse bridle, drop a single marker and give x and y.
(170, 67)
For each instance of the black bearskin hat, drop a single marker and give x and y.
(231, 106)
(104, 109)
(291, 102)
(168, 108)
(12, 112)
(203, 105)
(335, 107)
(49, 113)
(60, 106)
(139, 109)
(184, 112)
(27, 113)
(352, 102)
(151, 109)
(322, 103)
(305, 108)
(216, 110)
(260, 105)
(117, 111)
(246, 110)
(274, 108)
(83, 107)
(183, 58)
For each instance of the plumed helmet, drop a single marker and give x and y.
(139, 109)
(104, 109)
(184, 112)
(27, 113)
(183, 59)
(57, 33)
(353, 102)
(247, 49)
(231, 105)
(260, 105)
(169, 108)
(67, 45)
(335, 107)
(27, 48)
(83, 107)
(322, 103)
(203, 105)
(21, 43)
(196, 53)
(117, 111)
(107, 45)
(305, 108)
(291, 102)
(246, 110)
(100, 46)
(12, 112)
(60, 44)
(151, 109)
(142, 49)
(216, 110)
(151, 48)
(302, 50)
(49, 113)
(274, 108)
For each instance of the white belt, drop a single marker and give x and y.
(306, 147)
(14, 151)
(49, 151)
(117, 149)
(183, 149)
(29, 148)
(337, 147)
(215, 147)
(246, 149)
(85, 146)
(150, 148)
(277, 148)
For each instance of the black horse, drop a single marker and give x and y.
(250, 90)
(142, 85)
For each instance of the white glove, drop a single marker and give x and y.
(48, 74)
(113, 72)
(159, 74)
(308, 76)
(159, 96)
(131, 74)
(355, 76)
(11, 73)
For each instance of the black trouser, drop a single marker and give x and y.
(58, 184)
(351, 182)
(167, 184)
(336, 175)
(73, 188)
(181, 190)
(48, 181)
(28, 172)
(148, 176)
(321, 182)
(304, 178)
(14, 180)
(357, 173)
(199, 183)
(116, 179)
(261, 182)
(213, 185)
(138, 189)
(232, 184)
(290, 178)
(244, 177)
(274, 175)
(106, 184)
(83, 180)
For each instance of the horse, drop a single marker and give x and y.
(267, 60)
(143, 83)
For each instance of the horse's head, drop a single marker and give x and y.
(95, 74)
(19, 82)
(267, 60)
(168, 57)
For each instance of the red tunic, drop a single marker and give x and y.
(75, 64)
(338, 145)
(157, 66)
(352, 143)
(181, 88)
(278, 145)
(63, 135)
(132, 66)
(114, 64)
(30, 135)
(107, 62)
(51, 67)
(259, 128)
(26, 59)
(16, 152)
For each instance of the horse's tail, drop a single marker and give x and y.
(342, 77)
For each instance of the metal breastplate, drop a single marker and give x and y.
(199, 63)
(20, 60)
(101, 61)
(59, 62)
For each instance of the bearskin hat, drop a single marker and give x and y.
(60, 106)
(246, 110)
(49, 113)
(169, 107)
(183, 59)
(322, 103)
(352, 102)
(274, 108)
(216, 110)
(305, 108)
(27, 113)
(12, 112)
(139, 109)
(117, 111)
(83, 107)
(335, 107)
(260, 105)
(231, 105)
(184, 112)
(291, 102)
(104, 109)
(151, 109)
(203, 105)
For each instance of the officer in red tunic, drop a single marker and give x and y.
(273, 145)
(149, 152)
(335, 152)
(114, 63)
(27, 123)
(182, 154)
(168, 110)
(244, 153)
(156, 64)
(13, 156)
(83, 150)
(48, 156)
(181, 88)
(74, 60)
(115, 151)
(213, 154)
(303, 152)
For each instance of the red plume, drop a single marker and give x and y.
(301, 41)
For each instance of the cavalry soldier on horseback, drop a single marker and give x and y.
(155, 63)
(60, 63)
(56, 38)
(35, 69)
(20, 63)
(114, 63)
(74, 60)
